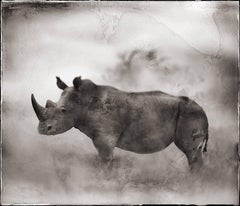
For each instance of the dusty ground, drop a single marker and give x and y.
(66, 170)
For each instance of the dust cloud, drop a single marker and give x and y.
(183, 48)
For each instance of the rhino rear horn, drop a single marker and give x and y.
(50, 103)
(39, 110)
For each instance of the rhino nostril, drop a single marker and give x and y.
(49, 127)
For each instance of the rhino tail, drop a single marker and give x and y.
(203, 144)
(205, 141)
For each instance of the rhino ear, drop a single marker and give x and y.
(61, 84)
(50, 103)
(77, 82)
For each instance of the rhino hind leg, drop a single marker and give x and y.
(192, 133)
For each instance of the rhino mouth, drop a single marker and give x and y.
(44, 132)
(49, 133)
(39, 110)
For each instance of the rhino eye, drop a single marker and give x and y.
(63, 110)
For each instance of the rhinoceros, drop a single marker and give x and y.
(140, 122)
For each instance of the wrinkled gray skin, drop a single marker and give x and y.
(143, 122)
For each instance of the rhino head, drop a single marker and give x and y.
(71, 108)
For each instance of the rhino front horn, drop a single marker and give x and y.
(39, 110)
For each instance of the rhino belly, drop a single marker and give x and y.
(146, 140)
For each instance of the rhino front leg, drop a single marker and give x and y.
(105, 146)
(106, 159)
